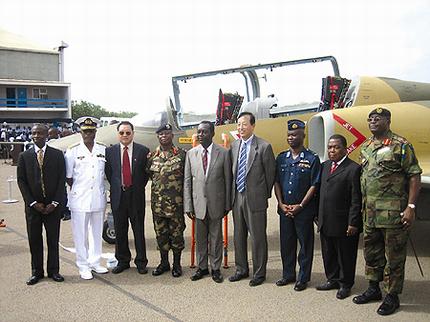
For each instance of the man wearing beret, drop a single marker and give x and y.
(85, 162)
(126, 172)
(390, 184)
(166, 170)
(296, 183)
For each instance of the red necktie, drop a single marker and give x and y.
(205, 160)
(126, 172)
(333, 167)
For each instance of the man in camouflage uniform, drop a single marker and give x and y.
(166, 170)
(390, 184)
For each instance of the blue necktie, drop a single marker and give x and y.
(241, 169)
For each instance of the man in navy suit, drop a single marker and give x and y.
(41, 178)
(125, 171)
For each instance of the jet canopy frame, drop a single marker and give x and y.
(249, 74)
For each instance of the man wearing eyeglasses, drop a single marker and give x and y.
(125, 171)
(390, 184)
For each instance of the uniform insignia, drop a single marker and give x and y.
(100, 155)
(81, 157)
(387, 142)
(379, 110)
(294, 126)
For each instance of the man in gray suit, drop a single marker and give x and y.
(207, 192)
(253, 178)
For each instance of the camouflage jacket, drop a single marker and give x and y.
(386, 168)
(166, 170)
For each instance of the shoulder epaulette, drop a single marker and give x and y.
(101, 143)
(400, 139)
(73, 145)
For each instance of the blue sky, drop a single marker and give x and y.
(122, 54)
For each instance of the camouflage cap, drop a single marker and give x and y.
(295, 124)
(381, 112)
(164, 127)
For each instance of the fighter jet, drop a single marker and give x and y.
(340, 106)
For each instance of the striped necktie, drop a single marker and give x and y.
(205, 160)
(40, 161)
(241, 169)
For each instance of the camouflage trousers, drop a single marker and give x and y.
(169, 232)
(385, 255)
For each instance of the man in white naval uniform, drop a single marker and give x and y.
(85, 163)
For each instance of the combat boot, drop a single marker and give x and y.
(373, 293)
(164, 265)
(390, 304)
(176, 269)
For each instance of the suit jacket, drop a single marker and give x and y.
(211, 192)
(138, 173)
(340, 198)
(29, 179)
(260, 172)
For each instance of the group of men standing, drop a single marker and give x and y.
(208, 181)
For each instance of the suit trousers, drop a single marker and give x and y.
(255, 222)
(121, 217)
(300, 228)
(35, 220)
(87, 230)
(209, 242)
(340, 258)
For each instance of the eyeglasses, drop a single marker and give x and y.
(124, 133)
(375, 119)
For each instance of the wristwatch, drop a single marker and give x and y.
(411, 205)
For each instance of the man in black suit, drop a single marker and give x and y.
(339, 218)
(41, 178)
(125, 171)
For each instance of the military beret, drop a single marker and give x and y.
(381, 112)
(295, 124)
(87, 122)
(164, 127)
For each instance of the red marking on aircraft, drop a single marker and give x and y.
(348, 126)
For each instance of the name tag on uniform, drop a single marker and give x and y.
(383, 150)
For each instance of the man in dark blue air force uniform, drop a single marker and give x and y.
(297, 179)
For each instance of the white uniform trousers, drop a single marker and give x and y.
(87, 230)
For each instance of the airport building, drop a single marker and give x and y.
(32, 86)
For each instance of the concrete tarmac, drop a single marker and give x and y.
(133, 297)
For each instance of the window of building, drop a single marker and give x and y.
(41, 93)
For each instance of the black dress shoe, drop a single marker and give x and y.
(390, 304)
(176, 270)
(285, 281)
(34, 279)
(120, 268)
(371, 294)
(343, 293)
(237, 277)
(300, 286)
(329, 285)
(256, 281)
(199, 274)
(217, 277)
(142, 270)
(57, 277)
(160, 269)
(67, 217)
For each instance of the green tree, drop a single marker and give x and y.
(84, 108)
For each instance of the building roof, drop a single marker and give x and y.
(13, 41)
